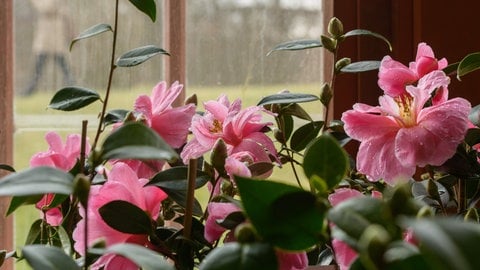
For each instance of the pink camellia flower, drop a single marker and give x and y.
(242, 130)
(217, 211)
(393, 76)
(60, 156)
(292, 260)
(402, 133)
(122, 184)
(171, 123)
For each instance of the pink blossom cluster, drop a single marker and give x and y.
(416, 124)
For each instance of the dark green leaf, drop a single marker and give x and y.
(114, 213)
(360, 32)
(286, 98)
(448, 243)
(18, 201)
(115, 116)
(35, 181)
(143, 257)
(255, 256)
(287, 126)
(73, 98)
(136, 141)
(296, 110)
(260, 168)
(146, 6)
(451, 69)
(296, 45)
(232, 220)
(180, 197)
(7, 168)
(92, 31)
(47, 257)
(283, 215)
(361, 66)
(305, 134)
(402, 255)
(468, 64)
(353, 216)
(176, 179)
(326, 159)
(33, 236)
(139, 55)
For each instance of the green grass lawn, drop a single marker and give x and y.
(30, 141)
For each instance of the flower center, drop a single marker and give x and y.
(216, 127)
(407, 115)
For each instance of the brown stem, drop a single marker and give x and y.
(83, 145)
(192, 175)
(462, 198)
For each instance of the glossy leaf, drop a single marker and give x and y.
(305, 134)
(451, 69)
(287, 126)
(448, 243)
(361, 66)
(7, 168)
(41, 257)
(143, 257)
(18, 201)
(239, 256)
(115, 116)
(73, 98)
(286, 98)
(180, 197)
(136, 141)
(325, 158)
(35, 181)
(295, 109)
(139, 55)
(360, 32)
(35, 231)
(176, 178)
(468, 64)
(283, 215)
(92, 31)
(296, 45)
(146, 6)
(114, 213)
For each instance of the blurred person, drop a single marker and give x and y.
(51, 39)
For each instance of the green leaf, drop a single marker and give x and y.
(360, 32)
(448, 243)
(35, 181)
(353, 216)
(176, 179)
(92, 31)
(361, 66)
(325, 158)
(115, 116)
(73, 98)
(305, 134)
(180, 197)
(286, 98)
(33, 236)
(468, 64)
(114, 213)
(283, 215)
(254, 256)
(295, 109)
(451, 69)
(296, 45)
(146, 6)
(18, 201)
(7, 168)
(47, 257)
(134, 140)
(139, 55)
(143, 257)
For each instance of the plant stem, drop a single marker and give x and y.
(462, 198)
(83, 146)
(110, 78)
(192, 175)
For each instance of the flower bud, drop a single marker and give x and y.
(81, 188)
(326, 94)
(373, 244)
(328, 43)
(335, 27)
(192, 100)
(342, 63)
(219, 154)
(245, 233)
